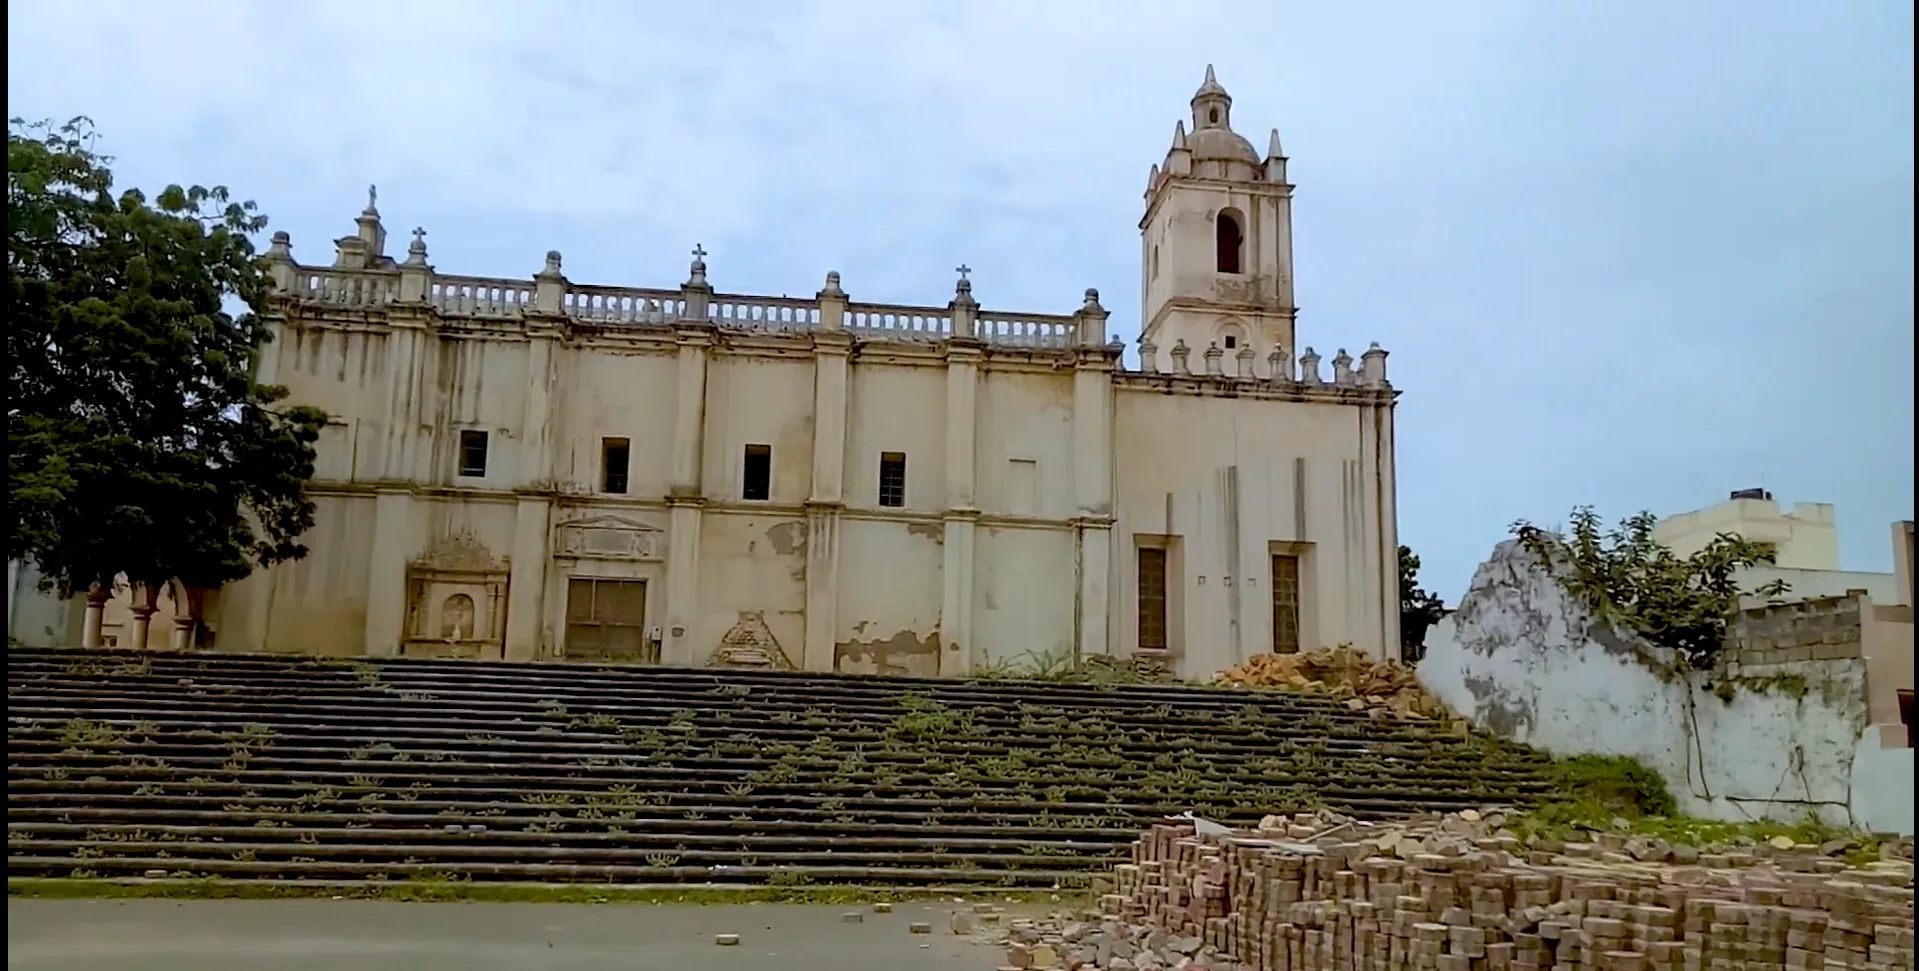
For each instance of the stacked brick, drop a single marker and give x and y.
(1341, 904)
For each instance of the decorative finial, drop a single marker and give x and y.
(832, 288)
(964, 288)
(416, 250)
(1210, 87)
(962, 270)
(1272, 146)
(697, 278)
(1091, 305)
(372, 200)
(551, 270)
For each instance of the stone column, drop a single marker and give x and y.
(1093, 491)
(386, 571)
(187, 610)
(832, 348)
(963, 356)
(97, 597)
(684, 494)
(145, 599)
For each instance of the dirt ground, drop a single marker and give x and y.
(365, 935)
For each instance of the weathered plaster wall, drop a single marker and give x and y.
(895, 408)
(630, 398)
(1023, 588)
(314, 605)
(749, 562)
(34, 618)
(1235, 480)
(1025, 418)
(1521, 658)
(890, 623)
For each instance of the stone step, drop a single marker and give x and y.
(274, 767)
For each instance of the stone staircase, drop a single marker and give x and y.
(264, 767)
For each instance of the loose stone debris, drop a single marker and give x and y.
(919, 927)
(1320, 892)
(726, 940)
(1364, 682)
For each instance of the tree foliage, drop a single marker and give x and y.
(1419, 610)
(138, 441)
(1626, 577)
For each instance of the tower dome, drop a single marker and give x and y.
(1213, 139)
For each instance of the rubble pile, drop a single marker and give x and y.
(1316, 893)
(1365, 682)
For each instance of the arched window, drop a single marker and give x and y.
(1230, 241)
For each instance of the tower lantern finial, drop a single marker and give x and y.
(1212, 106)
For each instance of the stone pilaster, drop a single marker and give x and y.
(682, 578)
(527, 566)
(1387, 519)
(685, 494)
(831, 353)
(1093, 491)
(963, 356)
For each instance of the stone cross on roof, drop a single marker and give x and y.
(962, 270)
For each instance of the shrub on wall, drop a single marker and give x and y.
(1627, 578)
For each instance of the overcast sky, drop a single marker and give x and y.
(1633, 254)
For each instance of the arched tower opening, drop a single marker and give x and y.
(1229, 239)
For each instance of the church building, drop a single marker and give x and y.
(540, 469)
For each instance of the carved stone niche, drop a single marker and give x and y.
(608, 538)
(750, 644)
(456, 601)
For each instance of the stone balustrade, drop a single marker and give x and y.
(384, 282)
(377, 286)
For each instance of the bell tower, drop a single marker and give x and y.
(1216, 241)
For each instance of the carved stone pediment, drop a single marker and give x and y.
(608, 538)
(750, 644)
(459, 552)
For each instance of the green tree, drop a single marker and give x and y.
(1418, 609)
(138, 441)
(1628, 578)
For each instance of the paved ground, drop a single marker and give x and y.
(367, 935)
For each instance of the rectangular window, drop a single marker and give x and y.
(892, 478)
(472, 453)
(757, 481)
(1285, 603)
(1152, 599)
(613, 458)
(606, 621)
